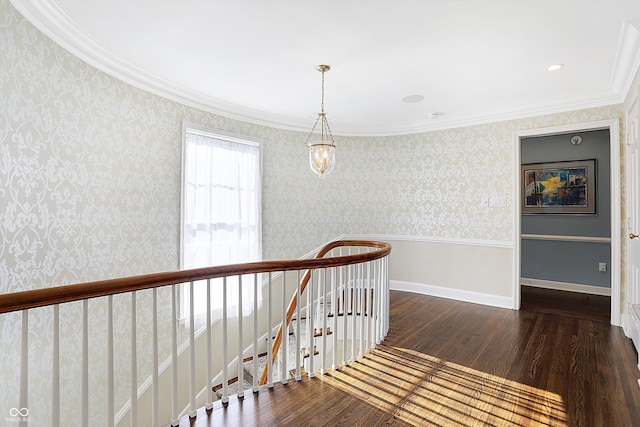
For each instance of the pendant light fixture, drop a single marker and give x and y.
(322, 153)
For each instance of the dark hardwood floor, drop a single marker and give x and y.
(450, 363)
(564, 303)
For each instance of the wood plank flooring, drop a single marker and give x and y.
(450, 363)
(564, 303)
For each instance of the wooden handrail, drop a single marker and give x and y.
(384, 250)
(28, 300)
(77, 292)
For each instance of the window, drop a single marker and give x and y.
(221, 216)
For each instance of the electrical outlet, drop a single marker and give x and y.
(602, 266)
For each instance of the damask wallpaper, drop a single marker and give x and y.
(90, 182)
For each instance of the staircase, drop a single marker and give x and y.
(301, 342)
(247, 363)
(179, 363)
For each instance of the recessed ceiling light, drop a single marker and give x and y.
(412, 98)
(554, 67)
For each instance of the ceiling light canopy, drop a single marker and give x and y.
(322, 153)
(555, 67)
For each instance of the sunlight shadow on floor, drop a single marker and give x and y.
(421, 390)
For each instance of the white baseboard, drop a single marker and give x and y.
(455, 294)
(564, 286)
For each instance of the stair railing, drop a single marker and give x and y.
(23, 311)
(362, 289)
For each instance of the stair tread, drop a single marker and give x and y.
(292, 339)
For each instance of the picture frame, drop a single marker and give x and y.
(566, 187)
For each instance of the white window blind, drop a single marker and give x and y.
(221, 217)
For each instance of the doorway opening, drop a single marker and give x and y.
(567, 252)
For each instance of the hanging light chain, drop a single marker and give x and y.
(322, 70)
(322, 116)
(326, 123)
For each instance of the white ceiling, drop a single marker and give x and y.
(473, 61)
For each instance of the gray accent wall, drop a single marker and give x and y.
(569, 261)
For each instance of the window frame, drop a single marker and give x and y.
(189, 127)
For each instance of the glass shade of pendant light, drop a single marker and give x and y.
(322, 153)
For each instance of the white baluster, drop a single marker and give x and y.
(240, 342)
(55, 377)
(339, 304)
(324, 322)
(134, 364)
(374, 298)
(380, 306)
(365, 307)
(192, 352)
(354, 309)
(24, 363)
(317, 321)
(310, 317)
(85, 363)
(345, 310)
(175, 421)
(255, 333)
(225, 376)
(155, 405)
(370, 280)
(361, 293)
(388, 296)
(363, 302)
(209, 368)
(285, 335)
(372, 270)
(110, 370)
(298, 342)
(269, 337)
(334, 310)
(376, 306)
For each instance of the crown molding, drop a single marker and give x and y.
(627, 60)
(47, 17)
(601, 100)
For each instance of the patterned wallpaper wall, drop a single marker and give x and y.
(90, 182)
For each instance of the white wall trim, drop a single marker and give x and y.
(627, 58)
(614, 149)
(449, 293)
(431, 239)
(616, 221)
(565, 286)
(581, 239)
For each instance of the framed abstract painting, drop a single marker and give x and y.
(559, 187)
